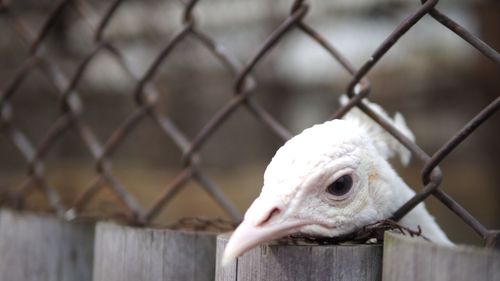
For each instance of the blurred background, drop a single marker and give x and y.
(437, 80)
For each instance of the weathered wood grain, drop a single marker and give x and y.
(414, 259)
(42, 247)
(283, 262)
(124, 253)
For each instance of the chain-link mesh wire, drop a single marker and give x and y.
(145, 97)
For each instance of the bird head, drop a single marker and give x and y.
(327, 181)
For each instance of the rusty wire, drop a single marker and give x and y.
(145, 95)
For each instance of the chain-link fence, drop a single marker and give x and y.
(146, 94)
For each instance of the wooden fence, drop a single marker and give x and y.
(128, 253)
(43, 247)
(40, 247)
(283, 262)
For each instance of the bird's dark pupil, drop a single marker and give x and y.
(341, 186)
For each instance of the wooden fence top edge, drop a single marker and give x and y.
(391, 237)
(224, 237)
(43, 215)
(115, 225)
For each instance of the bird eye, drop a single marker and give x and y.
(341, 186)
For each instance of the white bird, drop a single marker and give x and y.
(331, 180)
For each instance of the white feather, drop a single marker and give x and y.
(386, 144)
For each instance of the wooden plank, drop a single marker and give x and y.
(414, 259)
(128, 253)
(304, 262)
(42, 247)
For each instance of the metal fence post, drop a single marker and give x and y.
(43, 247)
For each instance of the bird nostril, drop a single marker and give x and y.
(273, 212)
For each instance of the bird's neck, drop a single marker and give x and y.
(418, 216)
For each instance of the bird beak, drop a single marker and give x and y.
(249, 235)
